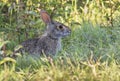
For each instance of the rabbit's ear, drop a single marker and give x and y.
(45, 16)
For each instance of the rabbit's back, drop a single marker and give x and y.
(29, 45)
(43, 45)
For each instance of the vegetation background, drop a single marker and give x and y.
(90, 53)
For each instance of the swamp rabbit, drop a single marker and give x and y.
(50, 42)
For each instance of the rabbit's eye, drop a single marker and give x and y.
(60, 27)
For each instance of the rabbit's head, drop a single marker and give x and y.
(54, 29)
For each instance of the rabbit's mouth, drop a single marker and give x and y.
(62, 35)
(66, 34)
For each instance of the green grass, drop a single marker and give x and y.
(90, 53)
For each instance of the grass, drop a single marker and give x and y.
(90, 53)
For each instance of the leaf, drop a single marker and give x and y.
(31, 13)
(7, 59)
(3, 43)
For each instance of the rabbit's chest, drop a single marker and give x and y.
(53, 46)
(59, 45)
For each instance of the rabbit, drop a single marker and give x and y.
(50, 42)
